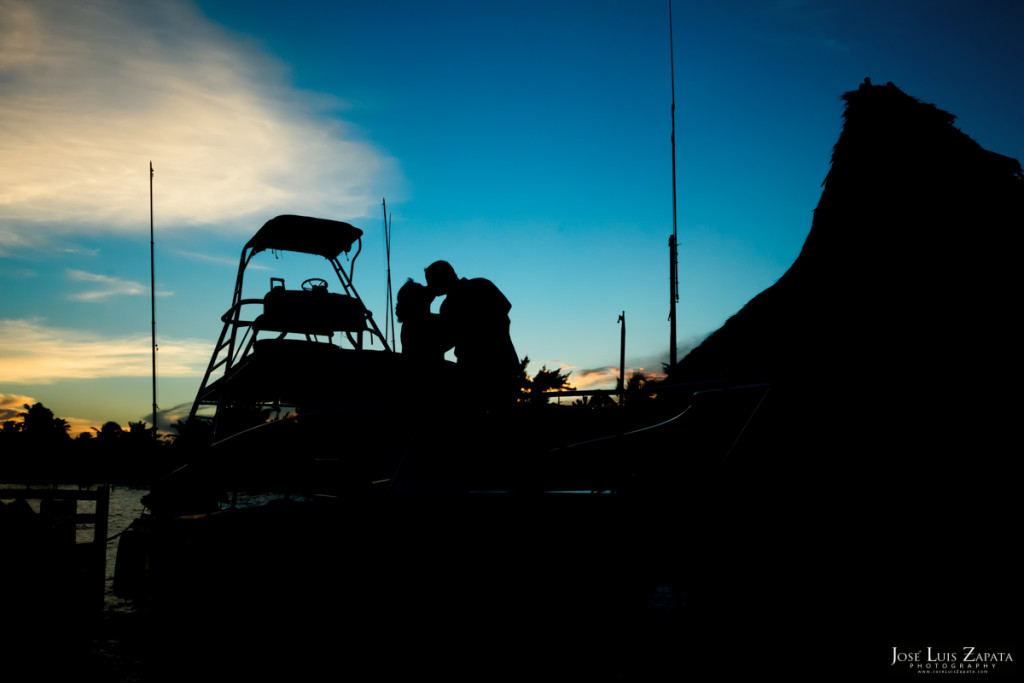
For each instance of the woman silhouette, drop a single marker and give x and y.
(423, 337)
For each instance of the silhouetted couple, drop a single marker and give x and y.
(473, 319)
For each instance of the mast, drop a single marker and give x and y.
(387, 256)
(622, 356)
(152, 290)
(673, 239)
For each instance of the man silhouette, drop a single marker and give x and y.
(475, 315)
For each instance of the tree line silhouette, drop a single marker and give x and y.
(38, 446)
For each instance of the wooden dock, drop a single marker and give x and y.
(42, 549)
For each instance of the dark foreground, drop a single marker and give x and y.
(124, 645)
(291, 592)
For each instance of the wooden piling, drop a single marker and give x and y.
(58, 521)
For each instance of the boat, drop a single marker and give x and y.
(388, 501)
(291, 350)
(813, 504)
(299, 364)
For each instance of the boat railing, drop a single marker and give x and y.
(241, 347)
(231, 316)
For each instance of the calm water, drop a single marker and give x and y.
(125, 507)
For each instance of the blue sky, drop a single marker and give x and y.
(527, 142)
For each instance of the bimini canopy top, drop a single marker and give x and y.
(320, 236)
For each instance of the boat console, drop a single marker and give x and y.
(311, 310)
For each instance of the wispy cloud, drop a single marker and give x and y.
(94, 91)
(199, 256)
(169, 416)
(596, 378)
(32, 352)
(107, 286)
(18, 273)
(606, 377)
(13, 405)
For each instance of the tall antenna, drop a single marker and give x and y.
(622, 356)
(152, 289)
(673, 252)
(387, 257)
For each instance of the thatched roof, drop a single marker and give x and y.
(873, 494)
(899, 304)
(914, 217)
